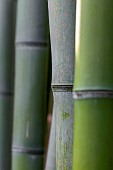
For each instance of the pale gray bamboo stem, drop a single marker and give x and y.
(62, 32)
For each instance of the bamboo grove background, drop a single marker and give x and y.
(42, 43)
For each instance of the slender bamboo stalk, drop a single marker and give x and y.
(51, 156)
(49, 72)
(62, 26)
(51, 151)
(6, 81)
(93, 131)
(30, 85)
(49, 102)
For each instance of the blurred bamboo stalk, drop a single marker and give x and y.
(30, 85)
(62, 32)
(93, 87)
(6, 81)
(49, 102)
(51, 155)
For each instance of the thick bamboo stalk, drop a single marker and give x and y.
(30, 85)
(6, 81)
(93, 130)
(62, 26)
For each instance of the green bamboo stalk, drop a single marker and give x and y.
(93, 134)
(62, 26)
(6, 81)
(30, 85)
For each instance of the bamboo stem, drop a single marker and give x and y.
(6, 81)
(49, 106)
(93, 88)
(30, 85)
(62, 28)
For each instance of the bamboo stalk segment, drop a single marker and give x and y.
(93, 134)
(6, 81)
(30, 85)
(62, 26)
(63, 110)
(94, 46)
(93, 88)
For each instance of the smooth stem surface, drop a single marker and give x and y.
(31, 71)
(6, 81)
(93, 125)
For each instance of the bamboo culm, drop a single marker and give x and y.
(62, 33)
(51, 151)
(30, 101)
(93, 86)
(49, 103)
(6, 81)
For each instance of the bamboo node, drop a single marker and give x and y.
(88, 94)
(62, 88)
